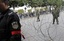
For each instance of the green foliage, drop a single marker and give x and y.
(55, 2)
(21, 11)
(24, 1)
(51, 2)
(13, 3)
(59, 2)
(37, 3)
(20, 3)
(43, 9)
(29, 10)
(63, 3)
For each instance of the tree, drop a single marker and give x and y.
(35, 3)
(13, 4)
(20, 3)
(62, 3)
(55, 2)
(59, 2)
(25, 2)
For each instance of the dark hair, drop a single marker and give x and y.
(5, 1)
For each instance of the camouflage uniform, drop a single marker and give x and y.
(38, 14)
(55, 14)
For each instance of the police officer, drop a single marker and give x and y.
(55, 13)
(9, 23)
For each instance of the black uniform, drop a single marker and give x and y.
(9, 26)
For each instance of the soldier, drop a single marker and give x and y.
(38, 15)
(9, 23)
(55, 13)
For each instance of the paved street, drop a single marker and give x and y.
(43, 30)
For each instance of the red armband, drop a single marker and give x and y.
(16, 32)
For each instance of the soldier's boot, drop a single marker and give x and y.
(38, 19)
(57, 20)
(53, 20)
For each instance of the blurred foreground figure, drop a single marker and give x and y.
(9, 23)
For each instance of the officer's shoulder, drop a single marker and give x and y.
(12, 13)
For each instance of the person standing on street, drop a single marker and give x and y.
(38, 15)
(55, 14)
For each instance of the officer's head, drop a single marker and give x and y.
(3, 5)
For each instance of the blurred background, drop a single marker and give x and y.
(28, 8)
(44, 30)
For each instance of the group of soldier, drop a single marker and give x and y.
(55, 13)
